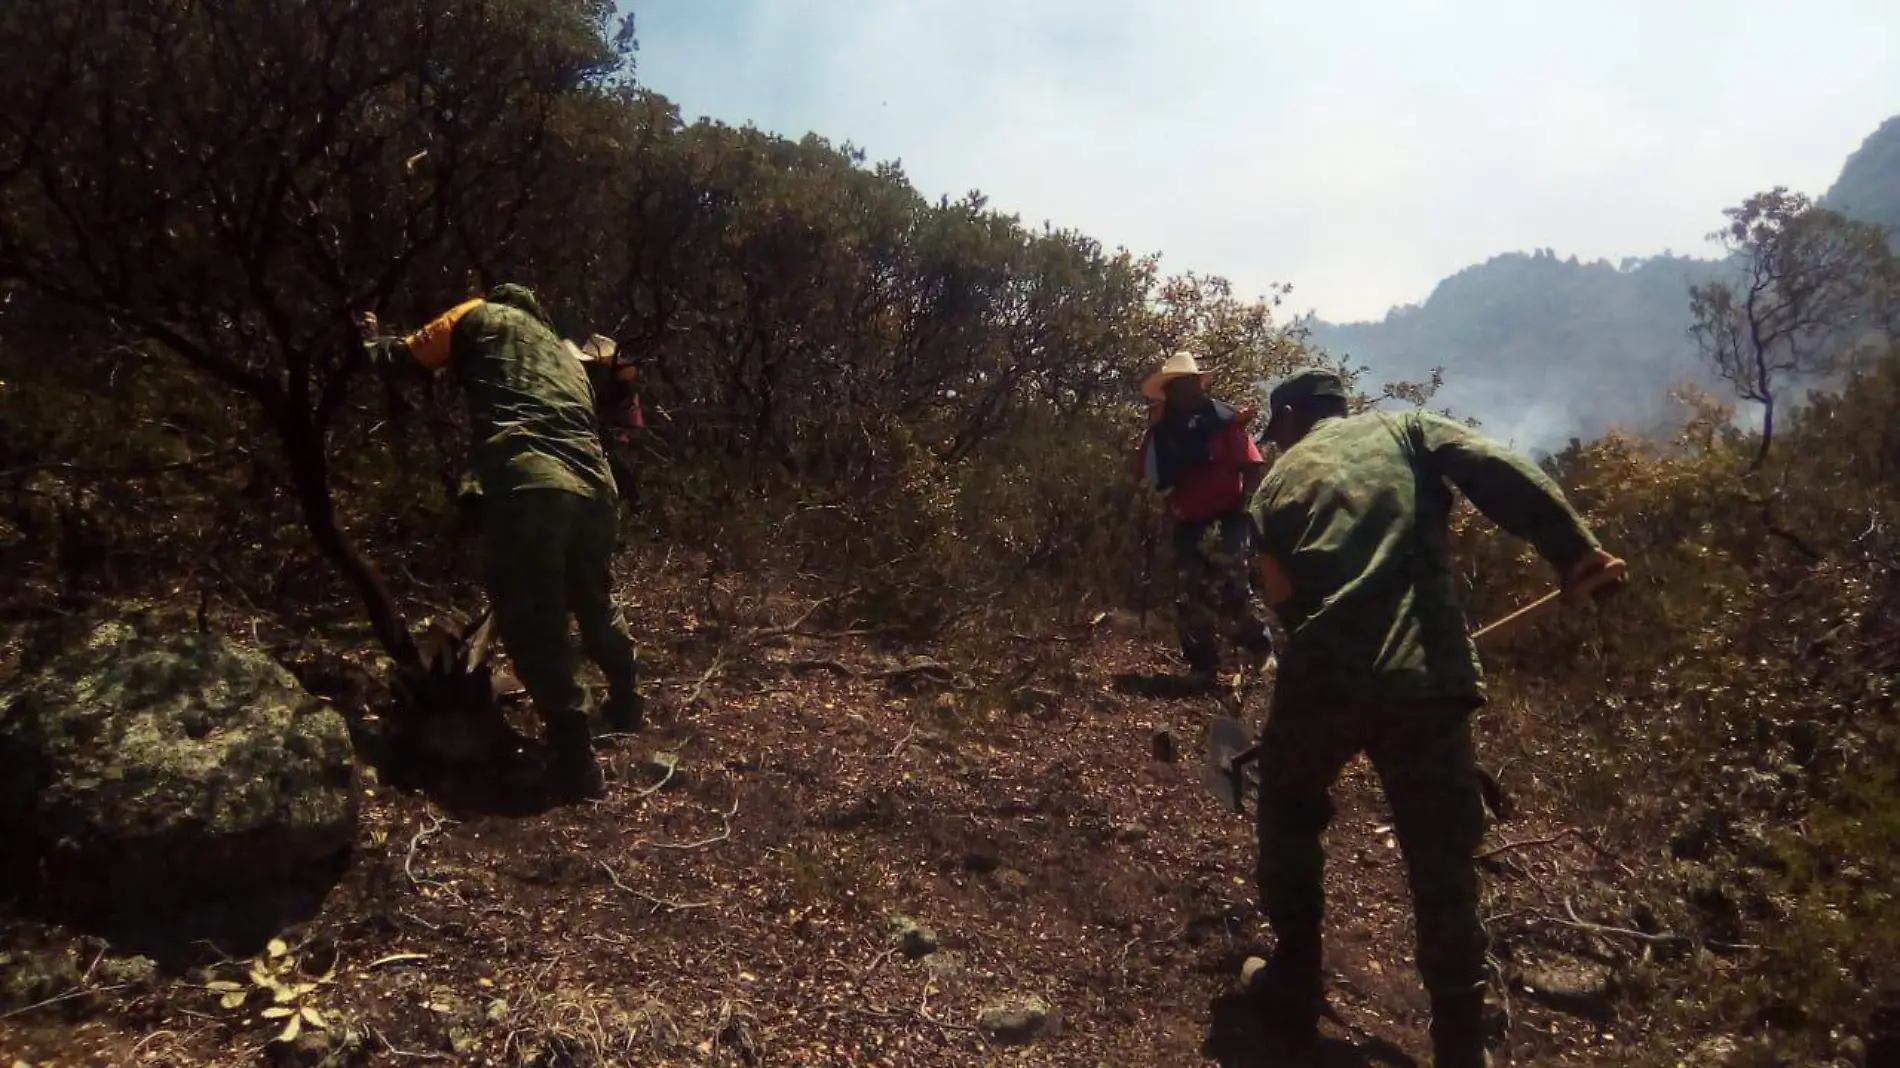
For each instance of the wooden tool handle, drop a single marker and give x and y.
(1616, 571)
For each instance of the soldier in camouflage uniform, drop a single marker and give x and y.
(548, 513)
(1198, 455)
(1351, 524)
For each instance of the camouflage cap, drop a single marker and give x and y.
(522, 298)
(1302, 385)
(1306, 384)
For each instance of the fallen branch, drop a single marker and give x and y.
(918, 1016)
(77, 992)
(394, 1051)
(1036, 639)
(658, 903)
(641, 795)
(415, 842)
(699, 690)
(804, 617)
(901, 743)
(704, 842)
(931, 668)
(1596, 928)
(1567, 832)
(877, 960)
(855, 632)
(824, 663)
(395, 958)
(1526, 843)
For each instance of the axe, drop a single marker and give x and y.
(1231, 746)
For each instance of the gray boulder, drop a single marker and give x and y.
(140, 768)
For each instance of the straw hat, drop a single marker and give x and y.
(598, 349)
(1179, 365)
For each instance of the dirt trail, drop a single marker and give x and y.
(732, 901)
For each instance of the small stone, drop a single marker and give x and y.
(320, 1049)
(1019, 1021)
(944, 966)
(1570, 984)
(128, 971)
(662, 768)
(1036, 699)
(1718, 1052)
(1164, 748)
(911, 938)
(28, 976)
(981, 862)
(1131, 832)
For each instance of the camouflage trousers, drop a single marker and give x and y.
(548, 555)
(1423, 756)
(1213, 591)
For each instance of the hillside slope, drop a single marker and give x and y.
(1544, 349)
(1869, 186)
(747, 907)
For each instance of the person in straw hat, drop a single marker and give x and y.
(1198, 455)
(616, 407)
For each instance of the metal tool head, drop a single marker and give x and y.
(1224, 775)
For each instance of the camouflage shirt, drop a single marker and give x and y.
(1355, 517)
(530, 404)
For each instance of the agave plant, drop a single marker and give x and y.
(451, 705)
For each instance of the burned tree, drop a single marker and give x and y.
(227, 181)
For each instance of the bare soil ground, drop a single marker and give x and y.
(735, 898)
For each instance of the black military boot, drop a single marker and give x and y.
(1458, 1030)
(1257, 648)
(573, 775)
(1203, 664)
(1288, 990)
(626, 709)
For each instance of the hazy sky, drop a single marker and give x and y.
(1358, 149)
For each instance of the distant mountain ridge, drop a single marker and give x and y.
(1543, 349)
(1869, 185)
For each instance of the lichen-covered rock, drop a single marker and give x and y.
(1019, 1021)
(142, 767)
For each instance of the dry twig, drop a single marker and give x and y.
(67, 996)
(723, 835)
(699, 690)
(415, 842)
(658, 903)
(803, 618)
(1580, 924)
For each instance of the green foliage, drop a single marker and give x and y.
(283, 982)
(1734, 708)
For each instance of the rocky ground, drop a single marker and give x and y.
(812, 858)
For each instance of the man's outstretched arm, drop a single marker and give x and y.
(1513, 493)
(426, 350)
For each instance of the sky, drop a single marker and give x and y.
(1359, 150)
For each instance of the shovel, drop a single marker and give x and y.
(1231, 746)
